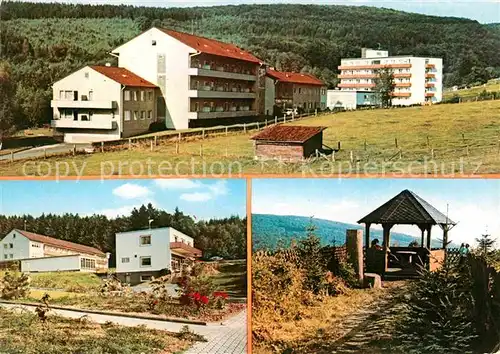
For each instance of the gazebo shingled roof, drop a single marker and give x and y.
(407, 208)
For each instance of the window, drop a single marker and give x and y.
(11, 245)
(127, 115)
(126, 260)
(5, 256)
(136, 95)
(196, 106)
(143, 115)
(5, 245)
(68, 95)
(145, 261)
(150, 114)
(146, 240)
(153, 42)
(150, 95)
(61, 94)
(143, 96)
(146, 278)
(91, 95)
(11, 256)
(136, 115)
(127, 95)
(86, 75)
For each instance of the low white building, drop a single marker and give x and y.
(349, 100)
(39, 253)
(143, 254)
(99, 103)
(418, 80)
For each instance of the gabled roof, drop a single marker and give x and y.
(60, 243)
(406, 208)
(212, 46)
(122, 76)
(295, 78)
(288, 133)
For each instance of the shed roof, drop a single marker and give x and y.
(406, 208)
(288, 133)
(60, 243)
(123, 76)
(296, 78)
(212, 46)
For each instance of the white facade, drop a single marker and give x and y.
(71, 263)
(147, 250)
(418, 80)
(166, 62)
(87, 107)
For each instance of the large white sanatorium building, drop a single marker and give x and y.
(418, 80)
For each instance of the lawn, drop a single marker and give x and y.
(474, 91)
(74, 282)
(445, 139)
(232, 278)
(25, 333)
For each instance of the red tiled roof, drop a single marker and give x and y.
(60, 243)
(288, 133)
(212, 46)
(296, 78)
(122, 76)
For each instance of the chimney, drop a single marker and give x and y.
(108, 65)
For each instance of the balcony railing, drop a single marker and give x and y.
(185, 249)
(374, 66)
(212, 114)
(220, 92)
(209, 72)
(93, 123)
(85, 104)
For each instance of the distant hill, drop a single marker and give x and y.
(270, 230)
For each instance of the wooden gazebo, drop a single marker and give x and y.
(406, 208)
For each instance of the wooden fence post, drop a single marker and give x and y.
(333, 155)
(275, 119)
(396, 142)
(130, 144)
(365, 144)
(338, 146)
(151, 143)
(226, 130)
(266, 122)
(351, 156)
(179, 136)
(203, 133)
(258, 126)
(102, 146)
(177, 147)
(201, 150)
(432, 154)
(245, 128)
(156, 140)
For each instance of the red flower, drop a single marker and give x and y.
(204, 299)
(197, 296)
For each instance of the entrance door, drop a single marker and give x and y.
(127, 278)
(75, 95)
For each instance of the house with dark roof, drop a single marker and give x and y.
(40, 253)
(98, 103)
(301, 91)
(287, 142)
(201, 79)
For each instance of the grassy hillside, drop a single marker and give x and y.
(447, 128)
(268, 231)
(473, 92)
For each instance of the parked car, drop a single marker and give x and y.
(291, 111)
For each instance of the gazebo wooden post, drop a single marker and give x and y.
(422, 239)
(445, 236)
(367, 235)
(387, 233)
(429, 237)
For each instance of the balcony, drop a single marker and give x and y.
(220, 92)
(207, 72)
(429, 94)
(401, 94)
(430, 66)
(401, 75)
(94, 123)
(94, 104)
(430, 76)
(221, 114)
(357, 76)
(355, 85)
(429, 84)
(185, 249)
(374, 66)
(403, 84)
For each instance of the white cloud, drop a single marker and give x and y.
(177, 183)
(219, 187)
(131, 191)
(196, 197)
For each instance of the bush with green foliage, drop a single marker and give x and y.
(14, 285)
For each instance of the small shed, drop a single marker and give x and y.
(288, 142)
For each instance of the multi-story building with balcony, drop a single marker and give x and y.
(295, 90)
(143, 254)
(199, 78)
(98, 103)
(418, 80)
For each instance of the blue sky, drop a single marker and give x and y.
(474, 204)
(484, 11)
(203, 198)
